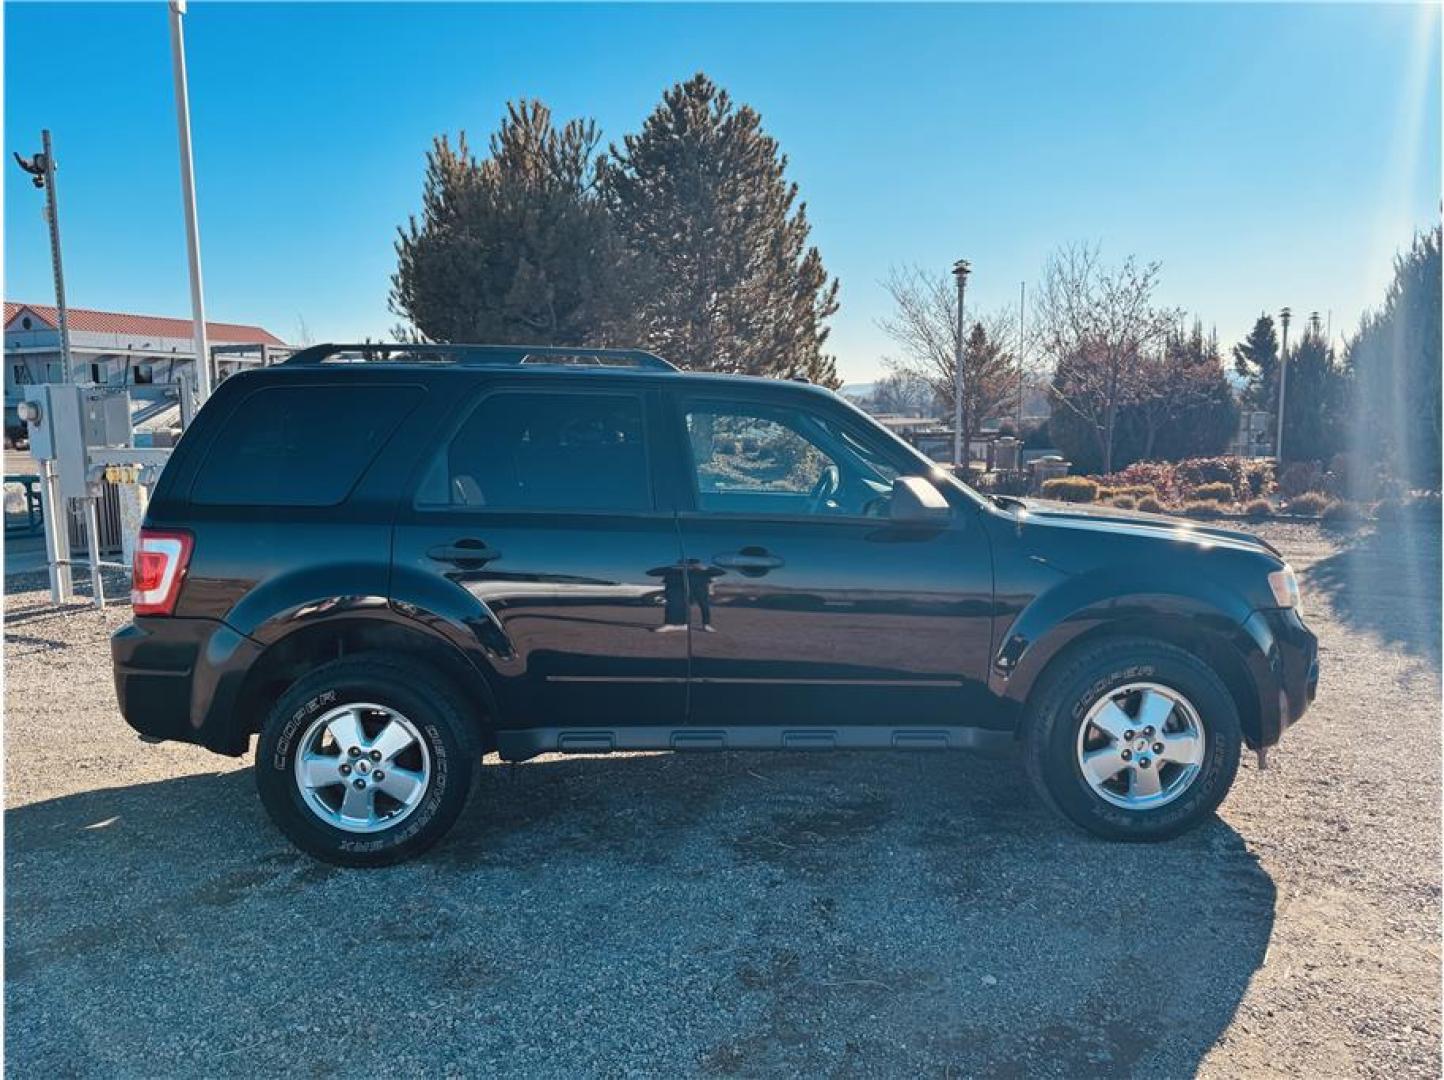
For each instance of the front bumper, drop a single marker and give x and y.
(180, 679)
(1284, 667)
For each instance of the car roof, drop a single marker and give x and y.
(429, 371)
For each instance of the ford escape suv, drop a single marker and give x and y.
(386, 561)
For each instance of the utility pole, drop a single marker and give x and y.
(1284, 316)
(188, 196)
(42, 174)
(960, 272)
(1022, 350)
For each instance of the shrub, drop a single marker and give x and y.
(1149, 504)
(1246, 478)
(1195, 472)
(1258, 508)
(1217, 492)
(1201, 509)
(1258, 475)
(1309, 503)
(1123, 502)
(1343, 515)
(1300, 477)
(1076, 489)
(1417, 508)
(1157, 476)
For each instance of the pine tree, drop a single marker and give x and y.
(720, 275)
(1256, 360)
(1395, 362)
(515, 248)
(1313, 400)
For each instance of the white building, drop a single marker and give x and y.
(120, 349)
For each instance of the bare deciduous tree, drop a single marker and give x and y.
(924, 326)
(902, 394)
(1099, 326)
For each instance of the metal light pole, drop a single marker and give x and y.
(1022, 348)
(42, 174)
(188, 195)
(960, 272)
(1284, 316)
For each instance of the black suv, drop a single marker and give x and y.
(389, 560)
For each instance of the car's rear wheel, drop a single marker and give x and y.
(1133, 739)
(366, 761)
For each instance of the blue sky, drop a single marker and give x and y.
(1266, 155)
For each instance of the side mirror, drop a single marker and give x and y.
(917, 502)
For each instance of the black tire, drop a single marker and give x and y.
(418, 693)
(1057, 710)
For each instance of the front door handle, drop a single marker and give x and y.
(464, 552)
(750, 560)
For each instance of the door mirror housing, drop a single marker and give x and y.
(917, 502)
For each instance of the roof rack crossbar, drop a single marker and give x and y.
(476, 355)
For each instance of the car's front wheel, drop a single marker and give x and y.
(1133, 739)
(366, 761)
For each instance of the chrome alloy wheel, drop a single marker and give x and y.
(363, 767)
(1141, 746)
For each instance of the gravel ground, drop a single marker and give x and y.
(889, 914)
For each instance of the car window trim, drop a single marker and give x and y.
(214, 442)
(680, 399)
(484, 394)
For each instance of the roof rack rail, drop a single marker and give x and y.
(476, 355)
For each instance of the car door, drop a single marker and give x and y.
(814, 619)
(538, 518)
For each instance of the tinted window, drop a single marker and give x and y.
(755, 459)
(300, 445)
(540, 451)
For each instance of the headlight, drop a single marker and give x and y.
(1285, 587)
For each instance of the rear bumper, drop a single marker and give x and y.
(180, 679)
(1285, 669)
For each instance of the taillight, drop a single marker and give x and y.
(159, 566)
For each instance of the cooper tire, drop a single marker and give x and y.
(1061, 706)
(381, 687)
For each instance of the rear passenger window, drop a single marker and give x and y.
(300, 445)
(545, 451)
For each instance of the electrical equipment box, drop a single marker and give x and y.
(65, 420)
(106, 416)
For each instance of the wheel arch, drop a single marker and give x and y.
(288, 658)
(1210, 644)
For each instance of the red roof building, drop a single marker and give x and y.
(120, 325)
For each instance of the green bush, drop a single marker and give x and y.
(1309, 503)
(1075, 489)
(1123, 502)
(1217, 492)
(1150, 504)
(1258, 508)
(1201, 509)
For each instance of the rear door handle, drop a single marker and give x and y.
(754, 560)
(464, 551)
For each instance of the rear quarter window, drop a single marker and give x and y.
(300, 445)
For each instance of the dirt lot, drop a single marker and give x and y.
(742, 914)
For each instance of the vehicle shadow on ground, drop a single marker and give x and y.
(1386, 582)
(729, 913)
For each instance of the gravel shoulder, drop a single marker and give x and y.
(848, 914)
